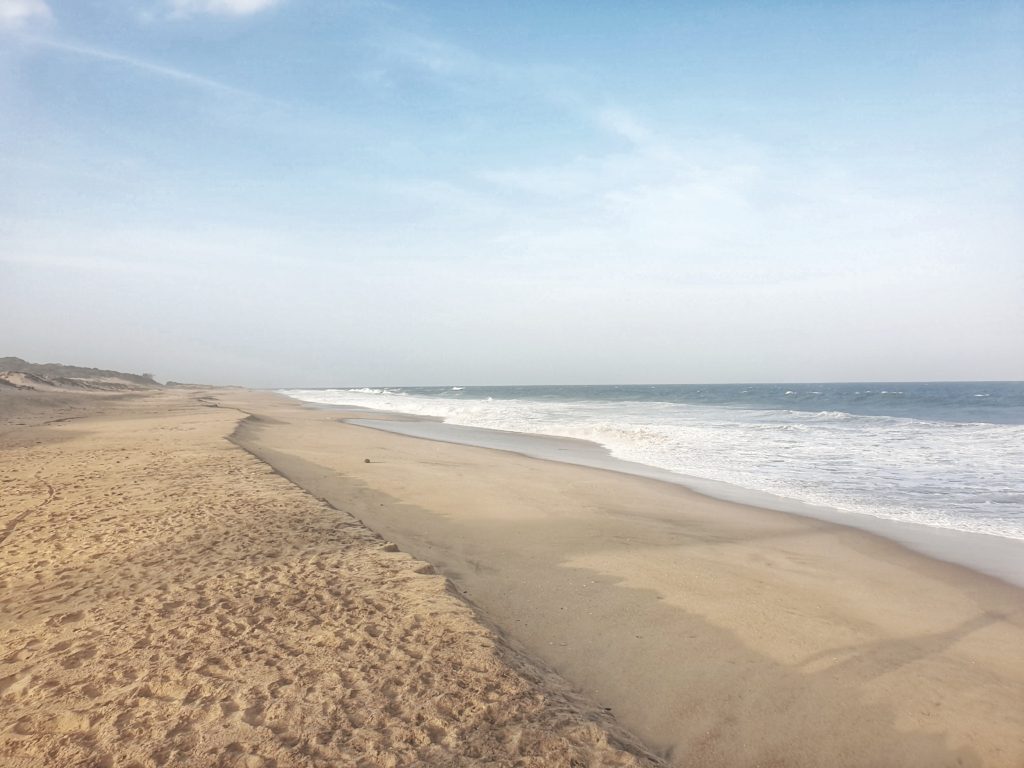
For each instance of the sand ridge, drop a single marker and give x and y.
(167, 599)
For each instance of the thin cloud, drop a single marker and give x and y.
(220, 7)
(160, 70)
(16, 14)
(432, 54)
(625, 125)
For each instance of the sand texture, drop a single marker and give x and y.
(167, 599)
(719, 634)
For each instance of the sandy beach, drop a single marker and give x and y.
(206, 578)
(167, 599)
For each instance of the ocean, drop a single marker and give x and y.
(944, 455)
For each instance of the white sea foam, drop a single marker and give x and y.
(964, 476)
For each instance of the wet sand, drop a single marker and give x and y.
(720, 634)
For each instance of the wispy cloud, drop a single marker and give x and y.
(16, 14)
(159, 70)
(625, 125)
(399, 48)
(431, 54)
(220, 7)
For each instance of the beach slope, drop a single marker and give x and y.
(720, 634)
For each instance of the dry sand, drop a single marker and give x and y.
(721, 635)
(167, 599)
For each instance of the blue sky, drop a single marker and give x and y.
(306, 193)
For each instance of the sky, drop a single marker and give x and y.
(289, 193)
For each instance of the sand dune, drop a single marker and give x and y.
(32, 381)
(57, 376)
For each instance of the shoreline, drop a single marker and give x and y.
(815, 639)
(230, 577)
(998, 556)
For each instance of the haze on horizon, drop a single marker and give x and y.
(308, 193)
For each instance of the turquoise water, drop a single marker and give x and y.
(947, 455)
